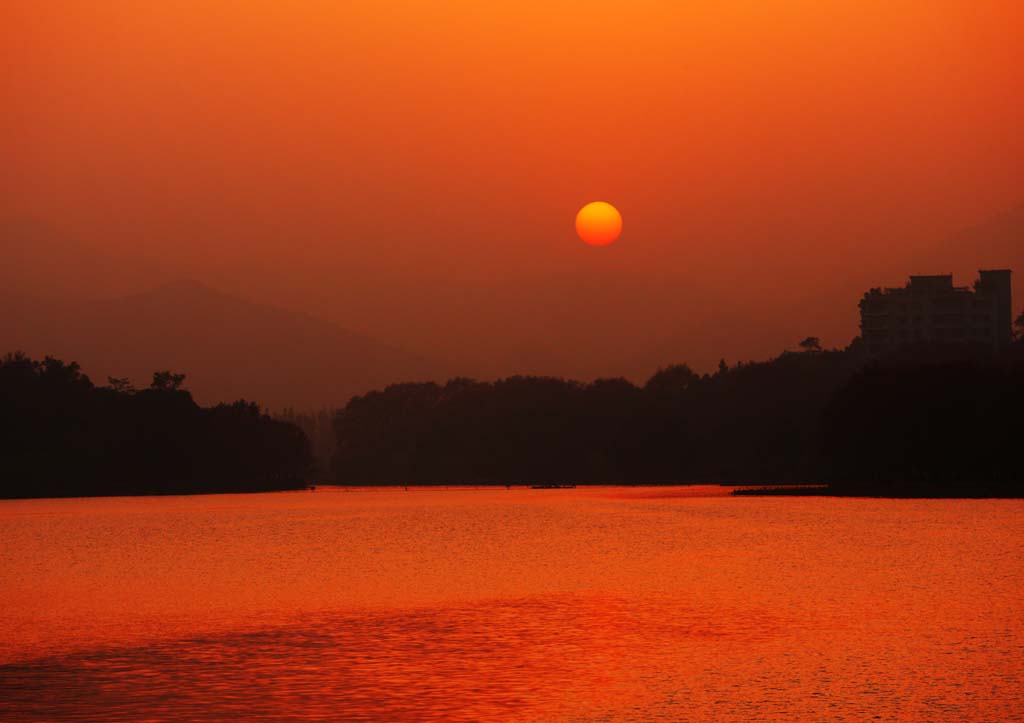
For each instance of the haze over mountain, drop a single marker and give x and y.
(996, 242)
(120, 316)
(228, 347)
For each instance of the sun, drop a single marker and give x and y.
(598, 223)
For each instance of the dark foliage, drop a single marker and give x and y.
(753, 421)
(62, 436)
(919, 428)
(899, 424)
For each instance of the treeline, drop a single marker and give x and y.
(928, 428)
(61, 435)
(939, 421)
(752, 422)
(818, 416)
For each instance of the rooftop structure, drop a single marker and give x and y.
(931, 309)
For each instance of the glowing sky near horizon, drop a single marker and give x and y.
(369, 163)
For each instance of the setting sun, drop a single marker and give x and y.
(598, 223)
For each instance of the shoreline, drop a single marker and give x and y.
(741, 490)
(899, 493)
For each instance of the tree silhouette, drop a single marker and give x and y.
(671, 380)
(62, 436)
(121, 384)
(933, 420)
(819, 417)
(811, 343)
(166, 381)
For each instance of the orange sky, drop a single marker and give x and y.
(412, 170)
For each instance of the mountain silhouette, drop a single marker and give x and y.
(995, 243)
(230, 348)
(44, 262)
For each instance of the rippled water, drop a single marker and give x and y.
(605, 604)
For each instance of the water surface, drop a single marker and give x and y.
(599, 604)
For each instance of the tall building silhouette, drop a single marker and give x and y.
(931, 309)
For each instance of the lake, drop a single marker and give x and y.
(587, 604)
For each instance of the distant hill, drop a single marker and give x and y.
(41, 261)
(229, 348)
(997, 240)
(996, 243)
